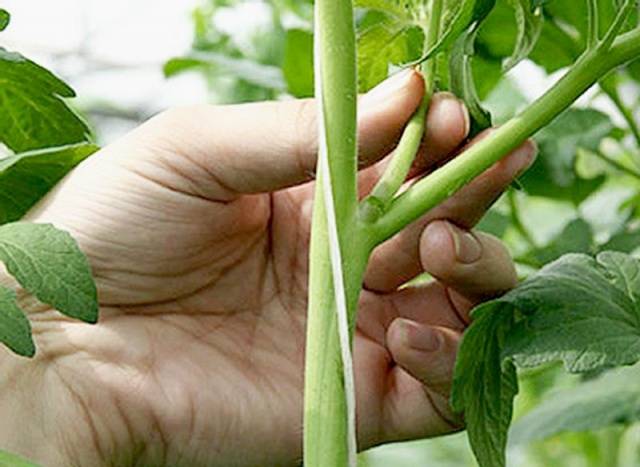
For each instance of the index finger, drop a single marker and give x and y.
(267, 146)
(398, 260)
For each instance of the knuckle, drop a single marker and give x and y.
(179, 114)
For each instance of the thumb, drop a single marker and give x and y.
(262, 147)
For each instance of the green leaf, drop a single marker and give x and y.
(462, 81)
(505, 101)
(634, 70)
(5, 19)
(487, 74)
(529, 23)
(25, 178)
(626, 240)
(15, 330)
(580, 310)
(498, 31)
(380, 45)
(494, 223)
(249, 71)
(554, 173)
(298, 63)
(483, 387)
(12, 460)
(401, 9)
(512, 29)
(576, 237)
(35, 115)
(398, 37)
(565, 46)
(612, 398)
(565, 31)
(48, 264)
(178, 65)
(458, 16)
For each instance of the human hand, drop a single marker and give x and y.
(197, 227)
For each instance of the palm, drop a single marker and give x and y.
(198, 355)
(213, 303)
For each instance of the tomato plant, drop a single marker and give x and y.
(578, 304)
(553, 315)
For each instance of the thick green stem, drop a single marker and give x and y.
(404, 155)
(325, 416)
(326, 420)
(443, 183)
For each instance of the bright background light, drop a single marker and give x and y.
(111, 52)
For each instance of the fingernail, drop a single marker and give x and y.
(525, 156)
(449, 104)
(419, 336)
(389, 87)
(466, 117)
(467, 247)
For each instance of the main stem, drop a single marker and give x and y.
(446, 181)
(326, 420)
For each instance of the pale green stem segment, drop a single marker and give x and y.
(325, 410)
(444, 182)
(326, 421)
(400, 164)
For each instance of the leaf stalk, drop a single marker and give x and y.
(444, 182)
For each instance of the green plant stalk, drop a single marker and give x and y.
(616, 165)
(516, 219)
(444, 182)
(400, 164)
(404, 155)
(325, 412)
(612, 92)
(325, 409)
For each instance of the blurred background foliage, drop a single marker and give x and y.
(582, 195)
